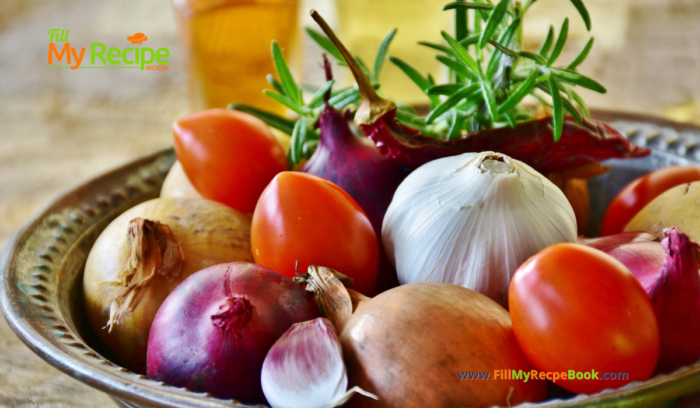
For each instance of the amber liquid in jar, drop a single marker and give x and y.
(227, 48)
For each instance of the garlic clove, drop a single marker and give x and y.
(305, 368)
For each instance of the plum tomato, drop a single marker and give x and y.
(302, 217)
(229, 156)
(640, 192)
(577, 308)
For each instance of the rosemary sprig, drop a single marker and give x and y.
(491, 74)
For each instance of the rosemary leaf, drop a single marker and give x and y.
(296, 144)
(457, 66)
(503, 50)
(547, 43)
(467, 5)
(422, 82)
(520, 93)
(462, 52)
(325, 43)
(381, 53)
(581, 55)
(471, 40)
(510, 119)
(442, 48)
(558, 111)
(490, 98)
(343, 95)
(583, 12)
(575, 78)
(561, 40)
(284, 101)
(317, 99)
(569, 107)
(353, 98)
(502, 47)
(272, 120)
(532, 56)
(291, 89)
(444, 89)
(581, 104)
(591, 84)
(451, 102)
(271, 79)
(456, 125)
(493, 22)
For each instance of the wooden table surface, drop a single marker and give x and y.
(59, 127)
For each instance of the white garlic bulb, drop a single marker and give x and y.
(305, 369)
(472, 220)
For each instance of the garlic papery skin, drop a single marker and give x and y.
(305, 369)
(472, 220)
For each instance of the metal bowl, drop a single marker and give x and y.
(42, 267)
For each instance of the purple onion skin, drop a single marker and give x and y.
(676, 301)
(214, 330)
(668, 271)
(643, 259)
(359, 169)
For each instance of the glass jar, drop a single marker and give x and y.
(226, 44)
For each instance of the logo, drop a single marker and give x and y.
(101, 57)
(137, 38)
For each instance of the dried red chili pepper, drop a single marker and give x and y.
(530, 142)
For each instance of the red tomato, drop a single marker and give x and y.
(577, 308)
(306, 218)
(229, 156)
(640, 192)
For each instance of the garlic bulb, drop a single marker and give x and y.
(305, 368)
(472, 220)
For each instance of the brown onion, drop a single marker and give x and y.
(409, 344)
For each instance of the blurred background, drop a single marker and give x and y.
(59, 127)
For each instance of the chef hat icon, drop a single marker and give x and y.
(137, 38)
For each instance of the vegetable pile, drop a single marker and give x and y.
(405, 260)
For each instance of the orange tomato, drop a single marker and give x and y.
(640, 192)
(229, 156)
(577, 308)
(302, 217)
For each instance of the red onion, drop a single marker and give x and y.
(359, 169)
(676, 301)
(668, 271)
(213, 331)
